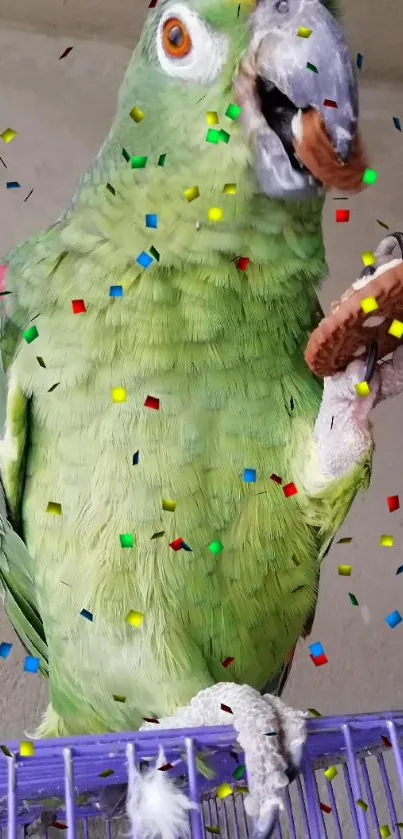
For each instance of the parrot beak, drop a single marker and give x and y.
(297, 61)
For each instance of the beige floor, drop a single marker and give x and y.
(62, 111)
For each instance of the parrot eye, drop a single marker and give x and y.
(175, 38)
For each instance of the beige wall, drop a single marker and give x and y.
(374, 27)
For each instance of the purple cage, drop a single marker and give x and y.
(365, 749)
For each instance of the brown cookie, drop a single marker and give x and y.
(346, 333)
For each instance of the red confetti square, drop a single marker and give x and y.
(152, 402)
(393, 503)
(276, 479)
(386, 742)
(78, 306)
(176, 544)
(242, 263)
(290, 489)
(227, 661)
(325, 807)
(165, 767)
(319, 660)
(153, 4)
(342, 215)
(226, 708)
(330, 103)
(59, 825)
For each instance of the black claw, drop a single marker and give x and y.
(112, 801)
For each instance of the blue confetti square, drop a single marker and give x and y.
(136, 458)
(116, 291)
(396, 123)
(316, 649)
(394, 619)
(31, 664)
(86, 614)
(5, 649)
(360, 59)
(152, 220)
(13, 185)
(144, 259)
(249, 475)
(185, 547)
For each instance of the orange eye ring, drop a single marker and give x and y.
(176, 40)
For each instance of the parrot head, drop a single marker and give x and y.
(275, 59)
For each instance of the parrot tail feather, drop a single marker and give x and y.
(155, 806)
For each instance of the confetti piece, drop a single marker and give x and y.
(242, 263)
(212, 118)
(162, 160)
(54, 507)
(216, 546)
(227, 661)
(27, 748)
(144, 259)
(138, 161)
(369, 304)
(6, 751)
(165, 767)
(342, 215)
(215, 214)
(192, 193)
(325, 807)
(118, 698)
(243, 790)
(226, 708)
(154, 253)
(215, 830)
(353, 599)
(87, 615)
(276, 479)
(136, 114)
(319, 660)
(30, 334)
(78, 306)
(249, 476)
(362, 388)
(369, 176)
(223, 791)
(152, 220)
(106, 773)
(230, 189)
(136, 458)
(224, 136)
(151, 719)
(158, 534)
(13, 185)
(134, 618)
(330, 103)
(8, 135)
(396, 329)
(359, 60)
(362, 804)
(314, 712)
(399, 570)
(152, 4)
(312, 67)
(386, 541)
(5, 649)
(116, 291)
(213, 136)
(303, 32)
(185, 547)
(67, 51)
(290, 489)
(396, 123)
(233, 111)
(346, 540)
(51, 389)
(239, 773)
(384, 831)
(126, 540)
(344, 570)
(382, 224)
(330, 773)
(393, 619)
(386, 742)
(393, 503)
(168, 505)
(119, 394)
(31, 664)
(177, 544)
(152, 402)
(316, 649)
(126, 155)
(111, 188)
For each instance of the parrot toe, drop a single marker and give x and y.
(112, 801)
(35, 829)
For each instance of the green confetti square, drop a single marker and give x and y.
(216, 546)
(239, 772)
(126, 540)
(138, 162)
(126, 155)
(213, 136)
(224, 136)
(162, 159)
(233, 111)
(353, 599)
(30, 334)
(155, 253)
(369, 176)
(311, 67)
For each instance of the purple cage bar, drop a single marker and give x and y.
(69, 769)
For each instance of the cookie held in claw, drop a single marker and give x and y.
(314, 149)
(348, 332)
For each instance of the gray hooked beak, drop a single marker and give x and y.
(292, 73)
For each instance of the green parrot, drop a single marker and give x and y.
(173, 472)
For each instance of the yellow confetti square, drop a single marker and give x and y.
(212, 118)
(27, 749)
(168, 505)
(223, 790)
(303, 32)
(215, 214)
(136, 114)
(330, 773)
(396, 329)
(229, 189)
(119, 394)
(362, 388)
(384, 831)
(362, 804)
(368, 304)
(192, 193)
(54, 507)
(134, 618)
(387, 541)
(8, 135)
(345, 570)
(368, 257)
